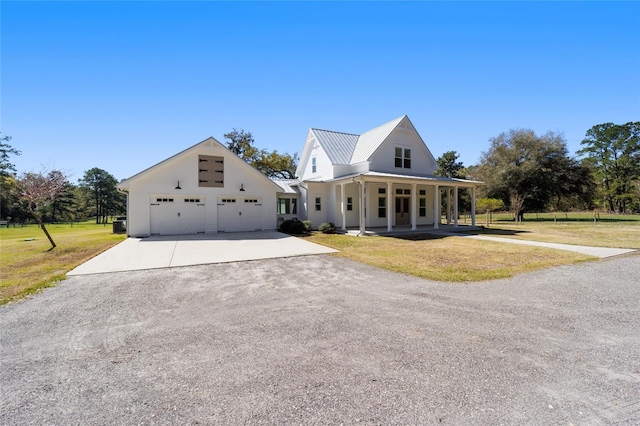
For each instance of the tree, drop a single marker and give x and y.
(6, 168)
(241, 143)
(448, 166)
(525, 170)
(39, 190)
(7, 174)
(101, 185)
(272, 164)
(614, 152)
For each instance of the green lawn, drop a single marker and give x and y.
(454, 259)
(572, 228)
(27, 264)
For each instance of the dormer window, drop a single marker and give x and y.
(403, 158)
(313, 165)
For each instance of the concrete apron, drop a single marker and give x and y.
(183, 250)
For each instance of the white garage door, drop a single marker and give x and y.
(239, 214)
(172, 215)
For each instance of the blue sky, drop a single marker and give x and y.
(124, 85)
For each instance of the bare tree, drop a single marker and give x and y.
(39, 190)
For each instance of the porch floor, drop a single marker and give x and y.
(406, 229)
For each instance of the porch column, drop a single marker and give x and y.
(455, 206)
(389, 207)
(448, 206)
(436, 207)
(473, 206)
(361, 213)
(414, 199)
(343, 208)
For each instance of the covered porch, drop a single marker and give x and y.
(380, 202)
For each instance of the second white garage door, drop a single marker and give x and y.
(239, 214)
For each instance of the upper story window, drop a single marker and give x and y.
(403, 158)
(313, 165)
(211, 171)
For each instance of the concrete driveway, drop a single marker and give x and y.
(325, 340)
(187, 250)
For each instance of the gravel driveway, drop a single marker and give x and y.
(326, 340)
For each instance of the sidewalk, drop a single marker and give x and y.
(601, 252)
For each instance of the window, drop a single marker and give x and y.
(349, 203)
(210, 171)
(250, 200)
(164, 200)
(382, 207)
(287, 206)
(407, 192)
(423, 192)
(382, 190)
(403, 158)
(228, 200)
(399, 191)
(313, 165)
(192, 200)
(423, 207)
(318, 204)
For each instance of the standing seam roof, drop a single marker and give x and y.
(369, 141)
(338, 146)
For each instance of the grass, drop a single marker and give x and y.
(454, 259)
(574, 228)
(29, 266)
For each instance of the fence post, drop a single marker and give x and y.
(554, 218)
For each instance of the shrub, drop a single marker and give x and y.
(307, 224)
(293, 226)
(327, 228)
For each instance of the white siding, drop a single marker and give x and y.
(163, 178)
(324, 169)
(422, 162)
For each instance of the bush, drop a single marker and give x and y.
(327, 228)
(293, 226)
(307, 224)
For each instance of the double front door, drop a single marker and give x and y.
(403, 216)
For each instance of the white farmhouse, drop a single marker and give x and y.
(380, 179)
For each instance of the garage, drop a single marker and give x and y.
(171, 215)
(239, 214)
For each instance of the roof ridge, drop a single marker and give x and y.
(384, 124)
(335, 131)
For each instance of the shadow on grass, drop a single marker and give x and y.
(436, 236)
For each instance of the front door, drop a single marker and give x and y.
(402, 211)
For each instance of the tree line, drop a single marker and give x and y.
(526, 172)
(49, 196)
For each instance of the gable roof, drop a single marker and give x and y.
(348, 148)
(337, 145)
(369, 142)
(210, 142)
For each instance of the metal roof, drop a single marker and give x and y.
(287, 185)
(338, 146)
(369, 141)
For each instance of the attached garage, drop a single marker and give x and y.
(239, 214)
(172, 215)
(203, 189)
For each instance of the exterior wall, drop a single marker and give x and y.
(318, 190)
(352, 216)
(162, 180)
(324, 169)
(422, 162)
